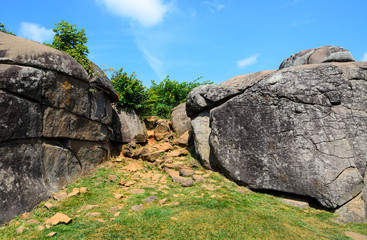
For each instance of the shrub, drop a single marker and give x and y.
(166, 95)
(131, 90)
(72, 41)
(4, 30)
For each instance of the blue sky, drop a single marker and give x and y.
(216, 39)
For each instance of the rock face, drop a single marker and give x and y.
(300, 130)
(128, 126)
(54, 122)
(318, 55)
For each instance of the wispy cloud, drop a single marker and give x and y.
(306, 22)
(247, 61)
(35, 32)
(213, 6)
(155, 63)
(364, 59)
(147, 12)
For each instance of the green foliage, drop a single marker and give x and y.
(131, 90)
(166, 95)
(72, 41)
(4, 30)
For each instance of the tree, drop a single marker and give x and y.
(72, 41)
(4, 30)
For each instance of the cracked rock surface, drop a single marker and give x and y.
(299, 130)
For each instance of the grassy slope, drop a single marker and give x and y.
(215, 209)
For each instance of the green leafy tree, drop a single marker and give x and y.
(4, 30)
(72, 41)
(132, 93)
(166, 95)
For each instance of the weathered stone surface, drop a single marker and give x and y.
(162, 129)
(299, 130)
(200, 133)
(242, 82)
(100, 80)
(354, 210)
(206, 97)
(183, 140)
(101, 109)
(62, 124)
(19, 118)
(21, 179)
(180, 121)
(24, 81)
(132, 128)
(318, 55)
(16, 50)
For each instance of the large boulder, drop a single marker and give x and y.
(300, 130)
(54, 122)
(318, 55)
(128, 126)
(180, 121)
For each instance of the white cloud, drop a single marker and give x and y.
(147, 12)
(247, 61)
(35, 32)
(213, 5)
(364, 59)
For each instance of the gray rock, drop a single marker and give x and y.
(137, 208)
(242, 82)
(354, 210)
(200, 133)
(101, 109)
(21, 179)
(206, 97)
(299, 130)
(318, 55)
(150, 199)
(100, 81)
(180, 121)
(295, 203)
(185, 172)
(16, 50)
(19, 118)
(131, 127)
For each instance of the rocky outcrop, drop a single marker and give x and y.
(54, 122)
(128, 126)
(298, 130)
(180, 121)
(318, 55)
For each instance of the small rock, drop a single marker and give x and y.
(136, 153)
(51, 234)
(117, 214)
(148, 186)
(163, 179)
(93, 214)
(174, 218)
(100, 220)
(118, 195)
(40, 228)
(112, 178)
(184, 182)
(132, 144)
(185, 172)
(194, 164)
(114, 209)
(26, 215)
(32, 221)
(133, 167)
(75, 192)
(20, 229)
(295, 203)
(198, 178)
(150, 199)
(356, 236)
(48, 205)
(129, 183)
(206, 175)
(89, 207)
(137, 207)
(60, 195)
(47, 226)
(183, 140)
(58, 218)
(164, 187)
(199, 173)
(173, 204)
(162, 201)
(137, 191)
(83, 190)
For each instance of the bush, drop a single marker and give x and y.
(4, 30)
(72, 41)
(132, 93)
(166, 95)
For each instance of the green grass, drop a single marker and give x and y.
(214, 209)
